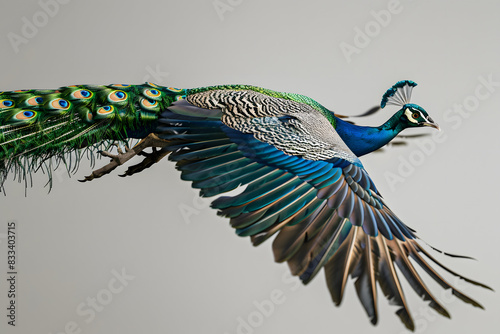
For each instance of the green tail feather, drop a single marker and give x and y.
(40, 129)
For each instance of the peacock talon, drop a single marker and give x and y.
(152, 140)
(149, 160)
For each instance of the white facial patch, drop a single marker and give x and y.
(409, 114)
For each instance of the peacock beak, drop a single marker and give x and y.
(430, 122)
(432, 125)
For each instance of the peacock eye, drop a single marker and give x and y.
(81, 94)
(6, 104)
(34, 101)
(117, 96)
(152, 93)
(149, 104)
(415, 115)
(25, 115)
(59, 104)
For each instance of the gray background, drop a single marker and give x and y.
(193, 275)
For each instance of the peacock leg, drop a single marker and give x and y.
(152, 140)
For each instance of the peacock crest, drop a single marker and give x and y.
(399, 94)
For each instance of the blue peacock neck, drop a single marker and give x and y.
(365, 139)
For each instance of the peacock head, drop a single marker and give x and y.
(413, 115)
(410, 114)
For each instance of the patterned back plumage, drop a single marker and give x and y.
(296, 128)
(282, 95)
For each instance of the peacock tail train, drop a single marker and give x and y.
(38, 125)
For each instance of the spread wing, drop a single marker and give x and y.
(303, 184)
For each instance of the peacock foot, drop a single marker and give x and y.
(152, 140)
(149, 160)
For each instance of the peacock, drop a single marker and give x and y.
(295, 162)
